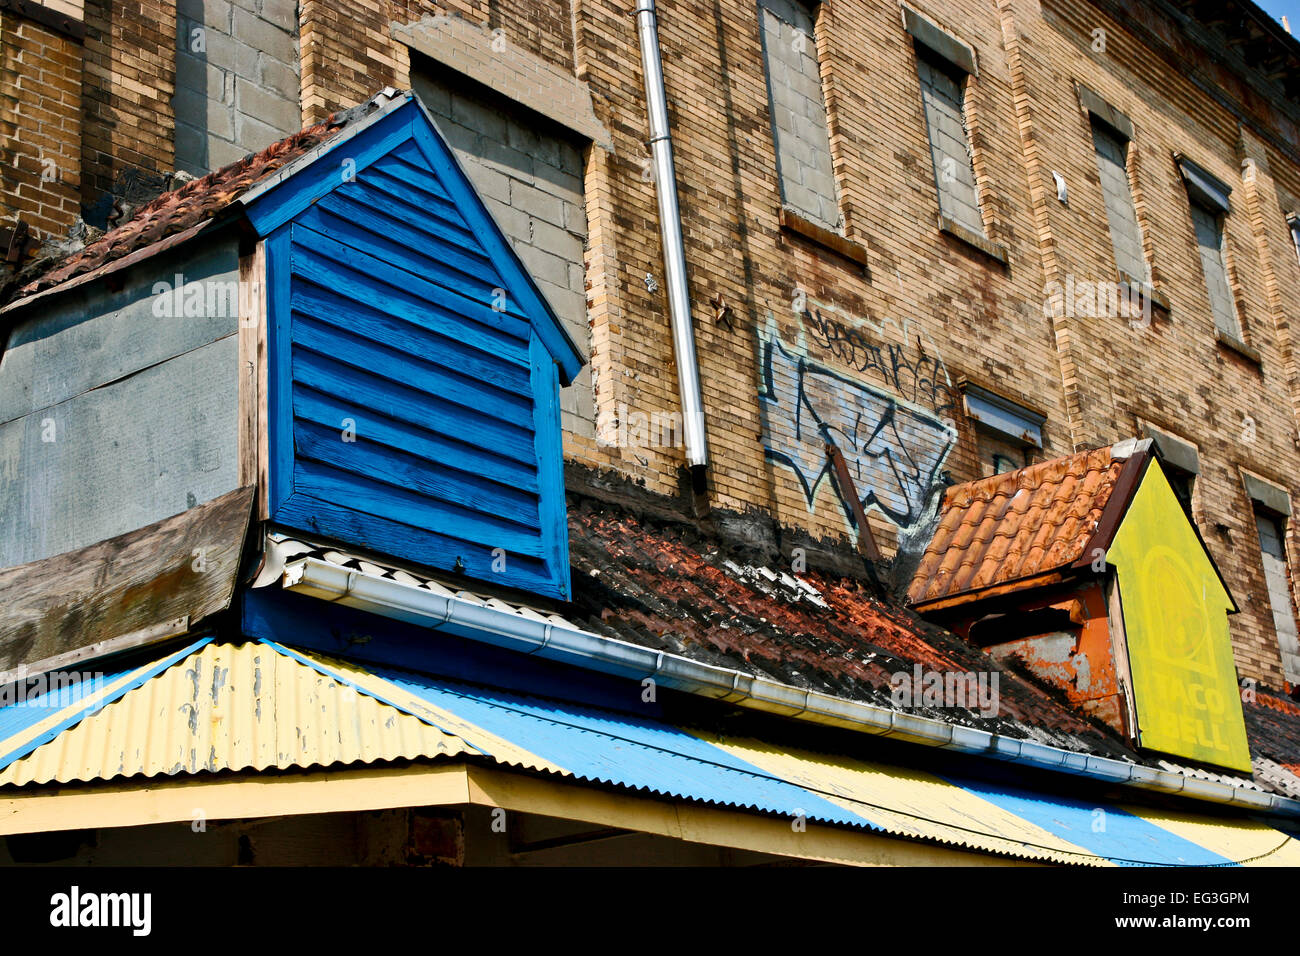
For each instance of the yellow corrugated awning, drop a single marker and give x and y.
(222, 708)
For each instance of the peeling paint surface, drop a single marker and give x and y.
(256, 710)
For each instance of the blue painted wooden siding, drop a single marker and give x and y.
(382, 303)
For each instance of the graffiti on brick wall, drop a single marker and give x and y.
(894, 436)
(913, 374)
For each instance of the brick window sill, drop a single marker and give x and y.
(1234, 344)
(794, 223)
(1158, 299)
(994, 250)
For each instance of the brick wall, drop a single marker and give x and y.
(1239, 412)
(237, 83)
(40, 126)
(127, 119)
(929, 309)
(348, 51)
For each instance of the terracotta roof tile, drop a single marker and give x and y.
(1273, 726)
(1015, 525)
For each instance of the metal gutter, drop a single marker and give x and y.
(670, 226)
(570, 645)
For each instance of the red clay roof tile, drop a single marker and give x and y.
(1015, 525)
(194, 203)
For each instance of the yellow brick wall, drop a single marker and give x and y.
(925, 294)
(348, 53)
(40, 126)
(1173, 373)
(130, 71)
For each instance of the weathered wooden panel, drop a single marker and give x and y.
(121, 456)
(131, 587)
(91, 336)
(252, 373)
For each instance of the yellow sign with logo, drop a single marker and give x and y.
(1175, 611)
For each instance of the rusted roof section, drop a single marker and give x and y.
(1273, 728)
(658, 579)
(192, 205)
(1017, 524)
(674, 587)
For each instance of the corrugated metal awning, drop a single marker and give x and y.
(219, 707)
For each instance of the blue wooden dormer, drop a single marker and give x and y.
(413, 365)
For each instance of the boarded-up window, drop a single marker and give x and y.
(529, 172)
(1125, 233)
(794, 83)
(1271, 543)
(1209, 238)
(943, 95)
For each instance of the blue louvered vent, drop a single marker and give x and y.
(414, 405)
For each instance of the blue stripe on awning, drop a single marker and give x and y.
(1106, 830)
(646, 754)
(609, 747)
(643, 753)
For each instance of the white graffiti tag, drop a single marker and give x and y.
(893, 449)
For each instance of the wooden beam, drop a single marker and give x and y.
(712, 826)
(255, 795)
(132, 588)
(866, 540)
(253, 443)
(66, 661)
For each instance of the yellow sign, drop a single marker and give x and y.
(1176, 623)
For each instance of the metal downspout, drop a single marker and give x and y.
(670, 225)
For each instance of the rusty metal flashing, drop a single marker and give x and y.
(1001, 589)
(1033, 419)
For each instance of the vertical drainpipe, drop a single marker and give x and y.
(670, 225)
